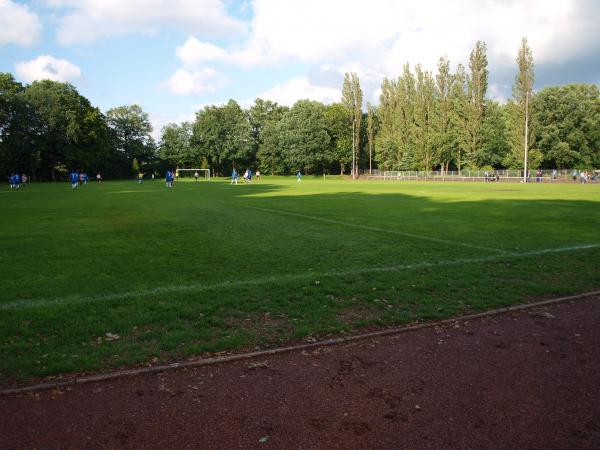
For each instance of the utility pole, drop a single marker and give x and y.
(526, 134)
(353, 151)
(370, 157)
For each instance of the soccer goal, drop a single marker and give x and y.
(190, 174)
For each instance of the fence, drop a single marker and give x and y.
(553, 176)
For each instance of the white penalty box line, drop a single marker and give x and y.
(198, 287)
(381, 230)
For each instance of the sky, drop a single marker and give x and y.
(174, 57)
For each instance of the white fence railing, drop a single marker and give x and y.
(487, 175)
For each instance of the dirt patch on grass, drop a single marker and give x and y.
(358, 315)
(258, 324)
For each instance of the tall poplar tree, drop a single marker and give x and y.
(522, 95)
(425, 106)
(406, 119)
(352, 98)
(459, 115)
(371, 125)
(337, 117)
(443, 139)
(477, 88)
(387, 146)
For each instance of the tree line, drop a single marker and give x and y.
(424, 121)
(48, 129)
(444, 121)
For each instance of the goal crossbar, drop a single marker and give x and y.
(202, 172)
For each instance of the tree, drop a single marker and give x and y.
(9, 88)
(495, 143)
(459, 115)
(264, 116)
(269, 155)
(18, 129)
(303, 138)
(406, 132)
(567, 122)
(260, 114)
(522, 96)
(425, 118)
(371, 130)
(443, 139)
(337, 117)
(71, 133)
(387, 146)
(175, 145)
(352, 97)
(224, 136)
(477, 88)
(130, 133)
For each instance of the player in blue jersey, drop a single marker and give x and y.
(74, 177)
(234, 176)
(169, 178)
(299, 176)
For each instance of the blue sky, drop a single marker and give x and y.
(175, 56)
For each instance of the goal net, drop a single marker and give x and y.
(190, 174)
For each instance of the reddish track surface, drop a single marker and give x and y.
(528, 379)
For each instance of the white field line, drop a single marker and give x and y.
(382, 230)
(199, 287)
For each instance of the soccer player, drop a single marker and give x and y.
(234, 176)
(140, 178)
(299, 175)
(98, 178)
(258, 175)
(12, 181)
(74, 177)
(196, 175)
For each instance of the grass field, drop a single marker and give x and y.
(210, 267)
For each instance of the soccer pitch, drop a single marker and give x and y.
(209, 267)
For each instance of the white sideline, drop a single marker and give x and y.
(381, 230)
(198, 287)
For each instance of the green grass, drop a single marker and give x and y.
(210, 267)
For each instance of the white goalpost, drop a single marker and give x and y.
(203, 174)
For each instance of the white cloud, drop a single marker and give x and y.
(499, 92)
(194, 52)
(46, 67)
(17, 24)
(301, 88)
(184, 82)
(89, 20)
(384, 34)
(158, 121)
